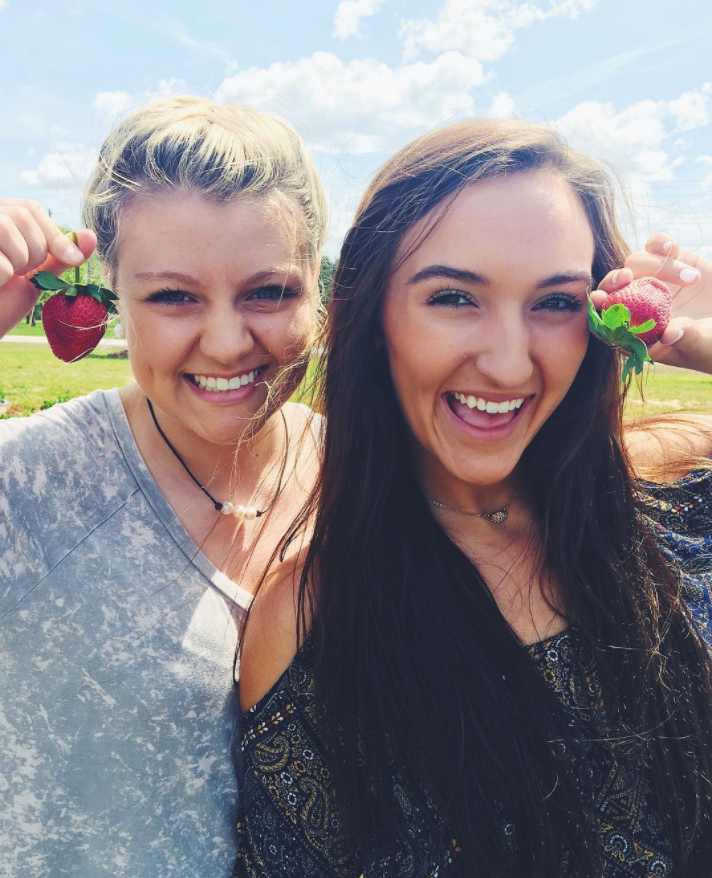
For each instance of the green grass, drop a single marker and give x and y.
(25, 329)
(666, 389)
(32, 379)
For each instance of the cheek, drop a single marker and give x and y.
(288, 335)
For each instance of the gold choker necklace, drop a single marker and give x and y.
(496, 517)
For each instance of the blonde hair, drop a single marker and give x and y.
(223, 151)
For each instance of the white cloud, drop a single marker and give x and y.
(65, 168)
(347, 20)
(502, 105)
(691, 109)
(632, 138)
(3, 4)
(109, 105)
(361, 105)
(481, 29)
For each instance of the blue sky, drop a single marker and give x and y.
(628, 82)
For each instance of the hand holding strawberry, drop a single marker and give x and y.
(687, 339)
(30, 240)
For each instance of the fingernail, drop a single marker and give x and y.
(614, 278)
(667, 246)
(72, 254)
(676, 339)
(689, 275)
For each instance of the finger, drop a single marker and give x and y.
(684, 344)
(598, 297)
(58, 245)
(615, 280)
(671, 271)
(13, 247)
(663, 245)
(86, 244)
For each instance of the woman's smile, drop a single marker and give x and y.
(487, 417)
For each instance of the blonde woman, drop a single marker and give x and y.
(129, 519)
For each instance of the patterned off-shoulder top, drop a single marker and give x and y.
(289, 818)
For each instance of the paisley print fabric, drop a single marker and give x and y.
(289, 816)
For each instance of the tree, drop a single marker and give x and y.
(326, 277)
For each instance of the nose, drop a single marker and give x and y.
(226, 335)
(503, 351)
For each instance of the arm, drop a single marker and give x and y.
(667, 447)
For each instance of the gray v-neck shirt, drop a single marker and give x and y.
(118, 717)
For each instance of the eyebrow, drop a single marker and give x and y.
(188, 279)
(475, 277)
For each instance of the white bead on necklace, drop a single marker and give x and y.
(243, 513)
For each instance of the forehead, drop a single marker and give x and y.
(521, 223)
(200, 235)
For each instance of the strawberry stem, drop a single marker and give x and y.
(76, 267)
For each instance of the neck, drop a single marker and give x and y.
(221, 468)
(441, 485)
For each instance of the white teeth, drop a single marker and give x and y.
(484, 405)
(221, 384)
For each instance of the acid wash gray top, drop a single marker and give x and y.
(117, 638)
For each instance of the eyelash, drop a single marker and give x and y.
(275, 291)
(445, 298)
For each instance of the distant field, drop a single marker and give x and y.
(25, 329)
(31, 378)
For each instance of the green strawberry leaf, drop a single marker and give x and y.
(45, 280)
(643, 327)
(616, 316)
(71, 291)
(613, 327)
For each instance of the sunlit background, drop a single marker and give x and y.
(628, 81)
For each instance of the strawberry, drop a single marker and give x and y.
(646, 299)
(632, 316)
(75, 317)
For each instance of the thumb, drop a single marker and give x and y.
(62, 255)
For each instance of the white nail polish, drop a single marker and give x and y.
(675, 340)
(667, 246)
(689, 275)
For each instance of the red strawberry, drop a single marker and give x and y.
(74, 325)
(646, 298)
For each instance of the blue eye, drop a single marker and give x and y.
(272, 293)
(170, 297)
(559, 302)
(450, 299)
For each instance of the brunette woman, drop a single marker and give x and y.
(496, 646)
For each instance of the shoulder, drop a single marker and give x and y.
(668, 447)
(269, 641)
(69, 443)
(61, 472)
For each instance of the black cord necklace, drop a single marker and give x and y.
(244, 513)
